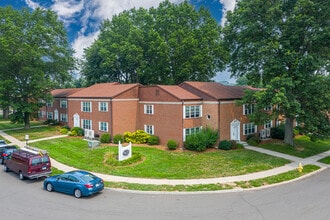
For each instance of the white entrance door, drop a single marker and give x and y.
(235, 130)
(76, 120)
(56, 115)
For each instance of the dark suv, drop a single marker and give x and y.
(6, 152)
(28, 164)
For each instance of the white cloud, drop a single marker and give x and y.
(228, 5)
(32, 4)
(98, 10)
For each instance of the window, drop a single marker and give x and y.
(86, 124)
(86, 107)
(64, 103)
(249, 128)
(64, 117)
(268, 124)
(49, 115)
(192, 111)
(268, 108)
(149, 109)
(103, 106)
(190, 131)
(103, 126)
(149, 129)
(248, 109)
(49, 104)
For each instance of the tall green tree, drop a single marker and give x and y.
(165, 45)
(283, 46)
(35, 58)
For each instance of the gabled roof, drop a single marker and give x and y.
(103, 90)
(219, 91)
(179, 92)
(64, 93)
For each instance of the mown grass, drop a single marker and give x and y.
(159, 163)
(283, 177)
(6, 124)
(303, 147)
(35, 132)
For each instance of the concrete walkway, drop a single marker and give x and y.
(291, 166)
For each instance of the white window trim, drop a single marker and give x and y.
(255, 129)
(146, 108)
(153, 129)
(90, 106)
(106, 105)
(82, 124)
(100, 123)
(200, 111)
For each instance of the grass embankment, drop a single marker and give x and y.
(159, 163)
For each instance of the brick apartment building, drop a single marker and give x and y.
(167, 111)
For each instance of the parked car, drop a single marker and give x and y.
(78, 183)
(6, 153)
(3, 142)
(28, 164)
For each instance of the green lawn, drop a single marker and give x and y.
(303, 147)
(35, 132)
(159, 163)
(5, 124)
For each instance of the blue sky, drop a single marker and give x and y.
(82, 17)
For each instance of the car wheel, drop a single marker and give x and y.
(5, 168)
(49, 187)
(21, 177)
(77, 193)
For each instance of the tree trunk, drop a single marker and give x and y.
(27, 120)
(288, 136)
(5, 113)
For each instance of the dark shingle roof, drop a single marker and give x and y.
(64, 93)
(219, 91)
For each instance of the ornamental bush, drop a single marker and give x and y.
(172, 144)
(224, 145)
(105, 138)
(202, 140)
(117, 138)
(278, 132)
(137, 137)
(64, 131)
(78, 131)
(153, 140)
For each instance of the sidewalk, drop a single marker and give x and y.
(291, 166)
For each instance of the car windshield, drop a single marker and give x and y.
(88, 177)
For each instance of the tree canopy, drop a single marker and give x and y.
(165, 45)
(35, 59)
(283, 46)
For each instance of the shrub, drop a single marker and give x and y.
(253, 139)
(117, 138)
(202, 140)
(64, 130)
(51, 122)
(172, 144)
(78, 131)
(224, 145)
(137, 137)
(105, 138)
(66, 126)
(72, 133)
(153, 140)
(278, 132)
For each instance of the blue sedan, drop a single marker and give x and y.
(79, 183)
